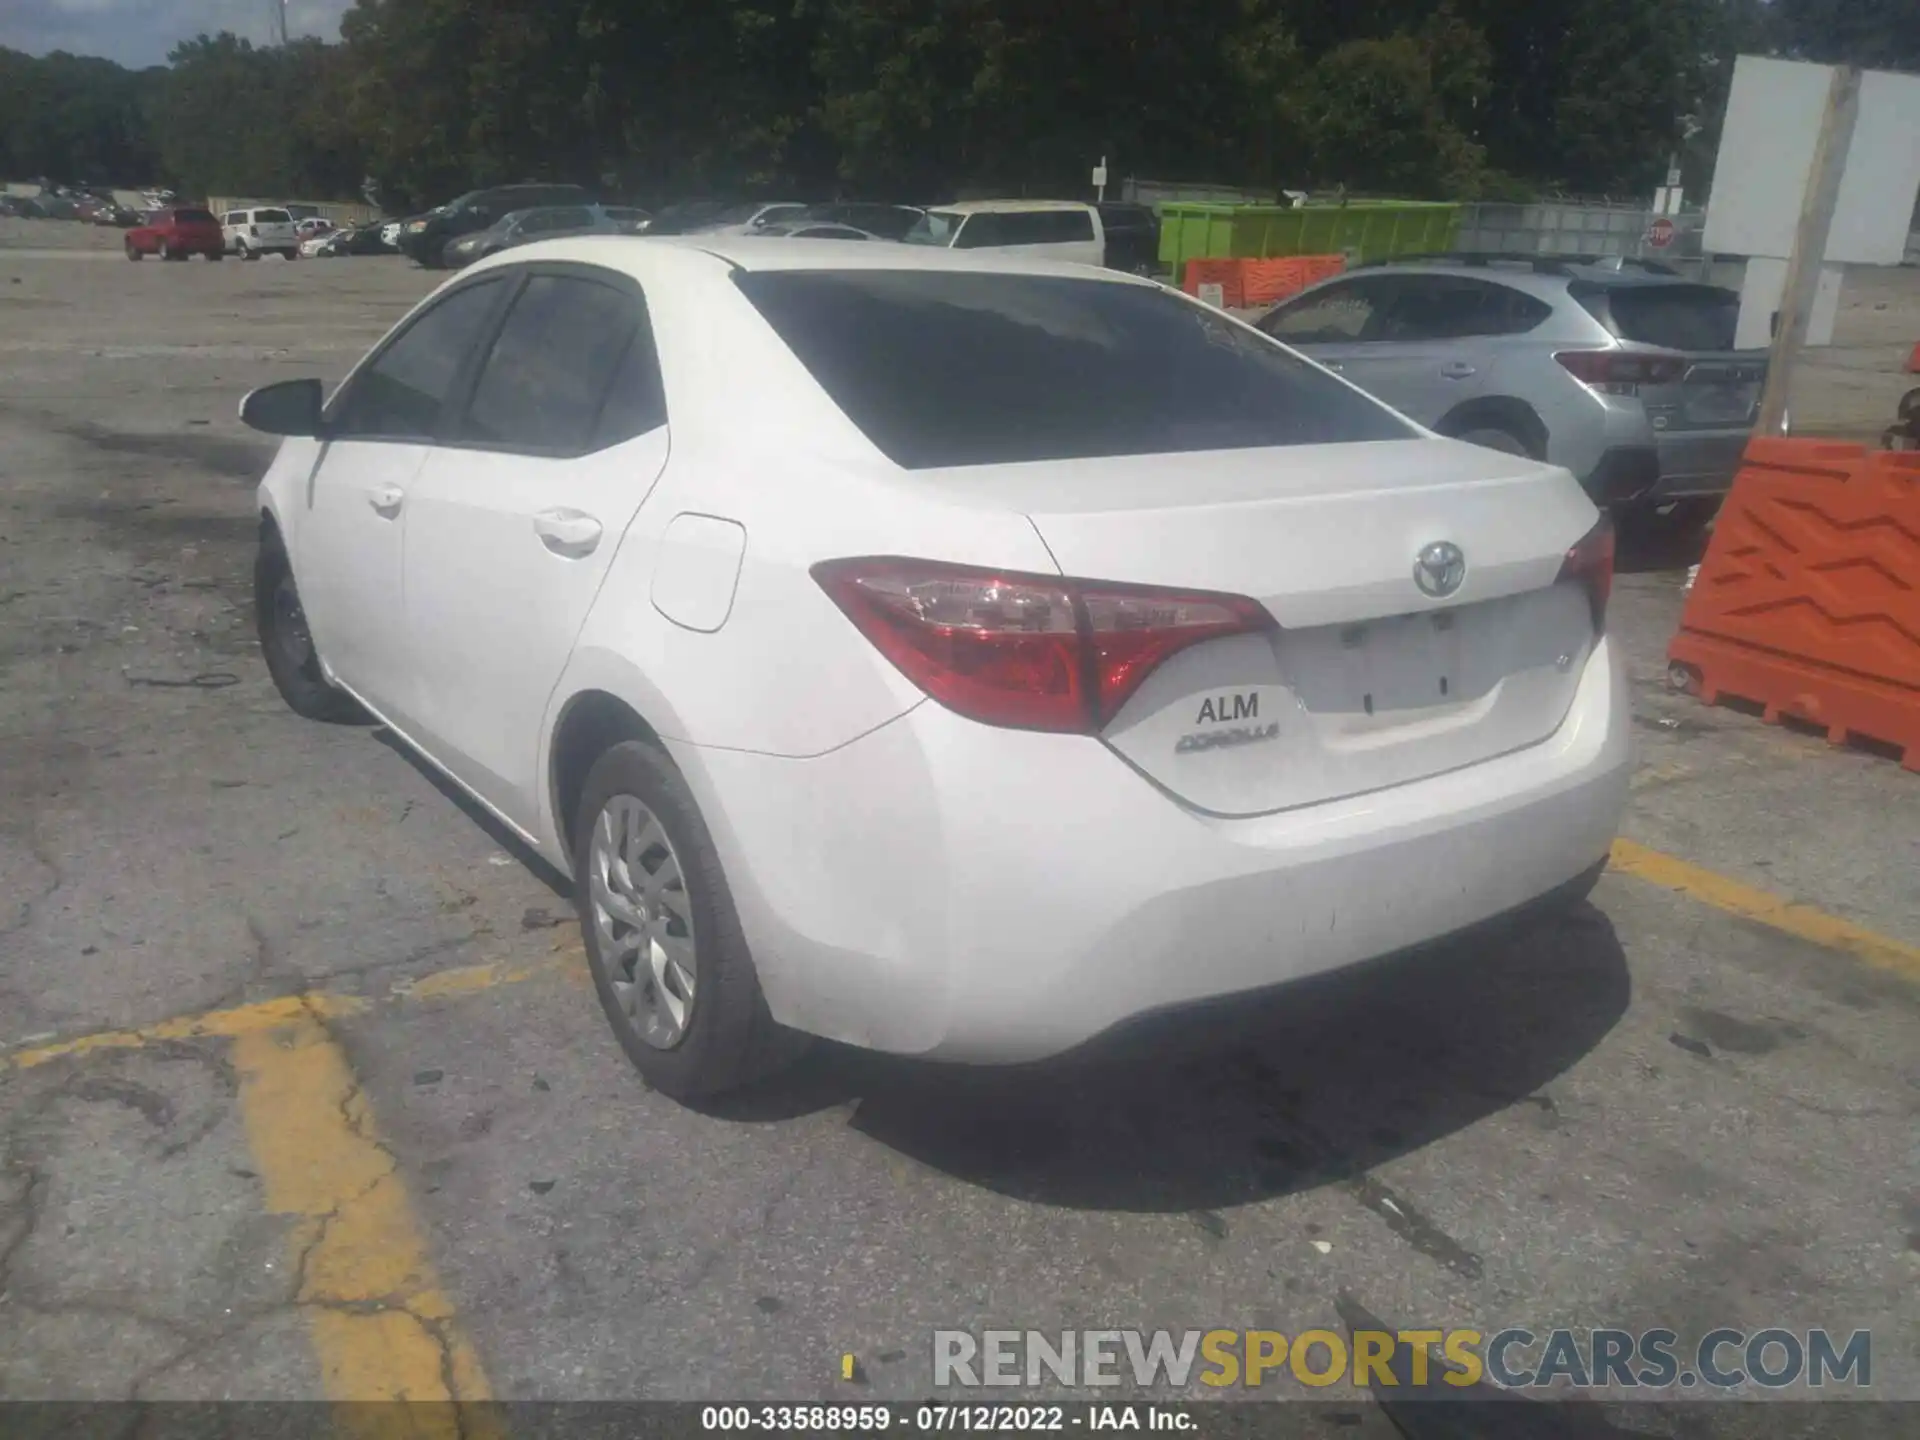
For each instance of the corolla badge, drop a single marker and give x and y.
(1439, 568)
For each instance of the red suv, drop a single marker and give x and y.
(176, 233)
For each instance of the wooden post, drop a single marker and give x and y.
(1810, 244)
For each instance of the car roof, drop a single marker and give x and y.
(986, 207)
(632, 254)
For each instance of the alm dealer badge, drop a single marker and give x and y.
(1240, 712)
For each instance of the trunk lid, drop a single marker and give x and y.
(1718, 386)
(1368, 681)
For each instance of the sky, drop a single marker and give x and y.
(140, 32)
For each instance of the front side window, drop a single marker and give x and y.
(399, 396)
(550, 370)
(945, 368)
(1340, 314)
(936, 227)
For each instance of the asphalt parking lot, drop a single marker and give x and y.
(303, 1094)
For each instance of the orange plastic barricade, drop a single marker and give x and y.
(1224, 273)
(1268, 282)
(1808, 600)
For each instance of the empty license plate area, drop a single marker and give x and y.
(1366, 678)
(1720, 404)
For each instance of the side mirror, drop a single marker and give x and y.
(292, 407)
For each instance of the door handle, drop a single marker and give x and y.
(1457, 370)
(386, 499)
(567, 533)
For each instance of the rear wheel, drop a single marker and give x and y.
(133, 251)
(662, 937)
(246, 251)
(286, 642)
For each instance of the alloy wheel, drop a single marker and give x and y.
(642, 921)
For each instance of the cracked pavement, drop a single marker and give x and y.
(1649, 1113)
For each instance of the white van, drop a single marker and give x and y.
(253, 233)
(1043, 229)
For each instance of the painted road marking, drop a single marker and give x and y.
(1723, 892)
(568, 958)
(382, 1326)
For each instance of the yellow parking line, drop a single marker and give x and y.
(382, 1327)
(1709, 887)
(319, 1004)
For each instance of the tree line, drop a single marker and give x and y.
(914, 99)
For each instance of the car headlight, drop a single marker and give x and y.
(417, 225)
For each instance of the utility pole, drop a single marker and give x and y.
(1810, 244)
(280, 20)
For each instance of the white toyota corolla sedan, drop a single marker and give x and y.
(946, 655)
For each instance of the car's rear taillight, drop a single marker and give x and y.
(1033, 652)
(1589, 564)
(1621, 372)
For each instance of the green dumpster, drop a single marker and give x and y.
(1359, 229)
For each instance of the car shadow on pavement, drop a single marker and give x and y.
(1310, 1084)
(536, 864)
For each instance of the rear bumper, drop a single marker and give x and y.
(1698, 464)
(939, 887)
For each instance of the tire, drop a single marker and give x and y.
(635, 803)
(166, 251)
(246, 252)
(133, 252)
(287, 645)
(1492, 437)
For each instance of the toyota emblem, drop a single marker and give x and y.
(1439, 568)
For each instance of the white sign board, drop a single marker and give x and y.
(1760, 293)
(1099, 177)
(1766, 152)
(1213, 293)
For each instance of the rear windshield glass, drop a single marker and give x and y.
(946, 369)
(1678, 317)
(195, 217)
(936, 227)
(272, 217)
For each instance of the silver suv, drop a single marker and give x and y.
(1622, 372)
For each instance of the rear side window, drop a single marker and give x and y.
(936, 227)
(400, 394)
(942, 369)
(195, 217)
(1675, 317)
(1447, 307)
(272, 217)
(550, 370)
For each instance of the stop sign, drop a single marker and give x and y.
(1660, 233)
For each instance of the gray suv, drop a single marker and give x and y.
(1623, 373)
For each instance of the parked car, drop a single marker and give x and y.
(1132, 237)
(888, 222)
(813, 230)
(21, 207)
(1058, 564)
(313, 235)
(711, 217)
(522, 227)
(354, 240)
(263, 230)
(175, 233)
(117, 216)
(424, 238)
(1042, 229)
(1625, 376)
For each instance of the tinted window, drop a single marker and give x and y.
(549, 370)
(636, 401)
(1446, 307)
(544, 220)
(1065, 225)
(196, 217)
(272, 217)
(1678, 317)
(1338, 314)
(945, 368)
(401, 392)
